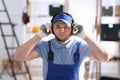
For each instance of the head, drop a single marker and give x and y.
(62, 26)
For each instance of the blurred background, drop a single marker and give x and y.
(100, 18)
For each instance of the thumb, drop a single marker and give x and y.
(46, 27)
(41, 34)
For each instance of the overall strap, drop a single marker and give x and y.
(50, 53)
(76, 54)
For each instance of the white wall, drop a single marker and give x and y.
(15, 9)
(85, 14)
(82, 11)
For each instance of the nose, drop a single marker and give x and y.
(62, 29)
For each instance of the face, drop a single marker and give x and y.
(62, 31)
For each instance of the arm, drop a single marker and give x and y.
(97, 51)
(26, 51)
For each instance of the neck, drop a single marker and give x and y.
(64, 42)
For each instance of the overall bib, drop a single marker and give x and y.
(60, 71)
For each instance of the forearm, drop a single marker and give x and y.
(98, 51)
(24, 50)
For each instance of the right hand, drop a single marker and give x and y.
(44, 30)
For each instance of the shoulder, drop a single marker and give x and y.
(78, 39)
(83, 43)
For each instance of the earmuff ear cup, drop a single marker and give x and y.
(74, 31)
(51, 30)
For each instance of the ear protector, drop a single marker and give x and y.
(52, 22)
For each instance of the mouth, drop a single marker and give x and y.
(62, 35)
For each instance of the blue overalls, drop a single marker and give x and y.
(60, 71)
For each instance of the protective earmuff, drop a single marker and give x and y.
(64, 13)
(73, 30)
(50, 31)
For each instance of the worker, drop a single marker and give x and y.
(63, 54)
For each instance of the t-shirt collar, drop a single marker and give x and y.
(58, 45)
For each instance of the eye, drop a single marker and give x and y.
(65, 27)
(58, 26)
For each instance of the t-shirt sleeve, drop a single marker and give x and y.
(41, 48)
(84, 50)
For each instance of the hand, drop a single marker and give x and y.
(44, 30)
(78, 30)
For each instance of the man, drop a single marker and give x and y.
(62, 56)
